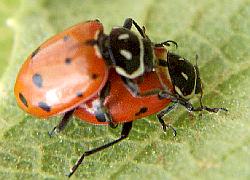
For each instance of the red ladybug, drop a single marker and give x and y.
(72, 67)
(179, 76)
(62, 73)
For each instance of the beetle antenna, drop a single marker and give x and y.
(196, 60)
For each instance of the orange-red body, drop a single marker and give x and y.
(122, 105)
(62, 73)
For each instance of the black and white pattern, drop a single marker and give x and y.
(183, 75)
(127, 51)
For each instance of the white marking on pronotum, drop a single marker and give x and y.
(181, 59)
(123, 36)
(138, 72)
(127, 54)
(184, 75)
(189, 96)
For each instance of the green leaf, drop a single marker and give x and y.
(6, 35)
(211, 146)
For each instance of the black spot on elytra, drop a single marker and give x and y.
(37, 80)
(66, 38)
(23, 99)
(44, 106)
(79, 94)
(94, 76)
(141, 111)
(35, 52)
(68, 61)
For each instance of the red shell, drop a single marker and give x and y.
(62, 73)
(122, 105)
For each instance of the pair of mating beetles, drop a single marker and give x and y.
(106, 79)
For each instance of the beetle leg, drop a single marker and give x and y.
(205, 108)
(214, 110)
(128, 24)
(162, 113)
(134, 89)
(63, 123)
(191, 108)
(124, 134)
(102, 114)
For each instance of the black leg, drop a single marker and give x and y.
(134, 89)
(202, 107)
(140, 30)
(128, 24)
(205, 108)
(188, 105)
(63, 123)
(162, 113)
(101, 112)
(124, 134)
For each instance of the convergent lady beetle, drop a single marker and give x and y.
(182, 81)
(72, 67)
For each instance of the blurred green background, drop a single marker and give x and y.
(7, 9)
(208, 146)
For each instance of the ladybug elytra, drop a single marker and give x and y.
(62, 73)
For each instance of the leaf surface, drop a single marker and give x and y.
(211, 146)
